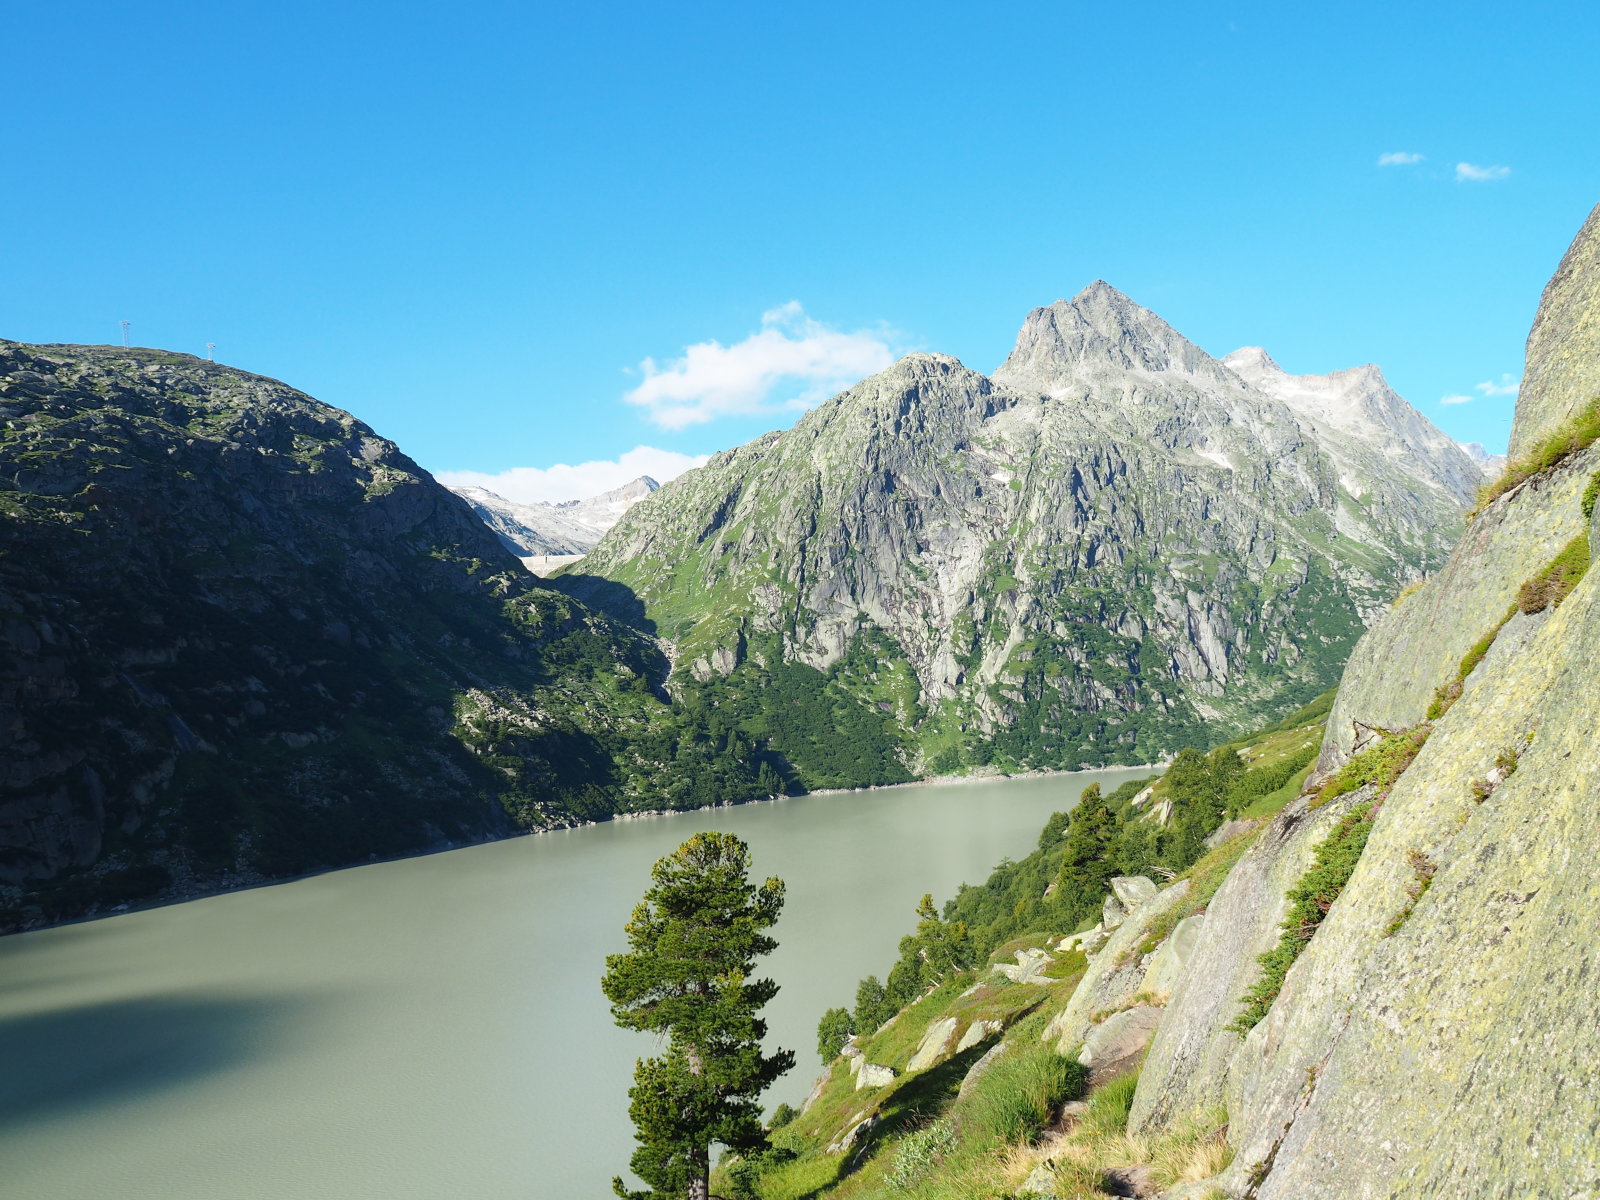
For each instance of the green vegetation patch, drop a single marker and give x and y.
(1380, 765)
(1309, 902)
(1450, 692)
(1573, 437)
(1554, 584)
(1423, 870)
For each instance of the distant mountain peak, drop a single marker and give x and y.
(1359, 403)
(544, 530)
(1098, 329)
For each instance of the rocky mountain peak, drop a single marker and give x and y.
(1098, 330)
(1359, 404)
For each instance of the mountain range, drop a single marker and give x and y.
(1111, 544)
(248, 637)
(546, 535)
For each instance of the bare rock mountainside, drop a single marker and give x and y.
(539, 532)
(242, 637)
(1112, 545)
(1435, 1038)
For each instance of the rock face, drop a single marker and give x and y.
(1114, 1046)
(1424, 1042)
(1360, 420)
(554, 531)
(1562, 372)
(1110, 544)
(1115, 974)
(243, 636)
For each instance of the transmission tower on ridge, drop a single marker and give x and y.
(210, 357)
(124, 325)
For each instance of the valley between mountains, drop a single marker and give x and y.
(1338, 943)
(250, 638)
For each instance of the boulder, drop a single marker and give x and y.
(976, 1032)
(1227, 830)
(935, 1044)
(872, 1075)
(1040, 1182)
(1114, 1046)
(1133, 890)
(1030, 966)
(816, 1090)
(970, 1079)
(1166, 965)
(1112, 913)
(1130, 1181)
(1114, 975)
(853, 1134)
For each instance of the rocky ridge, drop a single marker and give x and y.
(544, 530)
(247, 637)
(1110, 544)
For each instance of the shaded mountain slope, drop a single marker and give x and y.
(247, 637)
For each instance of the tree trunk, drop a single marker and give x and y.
(700, 1183)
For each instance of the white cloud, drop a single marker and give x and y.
(794, 362)
(1472, 173)
(564, 481)
(1398, 158)
(1509, 385)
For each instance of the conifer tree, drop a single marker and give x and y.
(1089, 851)
(693, 943)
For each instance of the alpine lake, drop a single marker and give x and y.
(433, 1027)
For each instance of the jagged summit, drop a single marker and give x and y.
(1359, 404)
(1099, 329)
(562, 530)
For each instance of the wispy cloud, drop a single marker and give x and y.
(1398, 158)
(1509, 385)
(794, 362)
(576, 481)
(1472, 173)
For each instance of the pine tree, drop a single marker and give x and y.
(1089, 852)
(693, 944)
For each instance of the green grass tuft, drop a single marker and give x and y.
(1574, 437)
(1016, 1097)
(1554, 584)
(1380, 765)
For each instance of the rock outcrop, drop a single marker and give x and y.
(1430, 1040)
(1562, 371)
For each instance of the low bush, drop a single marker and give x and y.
(1379, 764)
(1423, 870)
(1574, 437)
(918, 1154)
(1309, 902)
(1554, 584)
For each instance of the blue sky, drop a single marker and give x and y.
(481, 227)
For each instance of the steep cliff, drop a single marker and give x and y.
(1434, 1037)
(1109, 546)
(245, 637)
